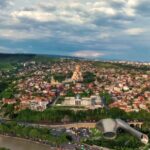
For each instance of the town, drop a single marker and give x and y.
(78, 83)
(60, 101)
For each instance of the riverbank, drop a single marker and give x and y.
(24, 139)
(24, 144)
(14, 143)
(41, 135)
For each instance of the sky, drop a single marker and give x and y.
(100, 29)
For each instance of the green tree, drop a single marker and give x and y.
(70, 93)
(89, 77)
(34, 133)
(107, 98)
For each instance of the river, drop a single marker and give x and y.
(21, 144)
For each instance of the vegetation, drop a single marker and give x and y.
(2, 148)
(89, 77)
(86, 93)
(5, 66)
(107, 98)
(7, 88)
(8, 110)
(95, 134)
(59, 77)
(9, 61)
(56, 114)
(70, 93)
(124, 141)
(121, 66)
(37, 134)
(8, 65)
(3, 85)
(8, 93)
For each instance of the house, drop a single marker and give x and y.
(9, 101)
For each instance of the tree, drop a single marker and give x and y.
(2, 148)
(66, 119)
(7, 93)
(34, 133)
(9, 110)
(117, 113)
(1, 129)
(89, 77)
(25, 132)
(106, 97)
(3, 86)
(70, 93)
(59, 77)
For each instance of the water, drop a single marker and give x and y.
(20, 144)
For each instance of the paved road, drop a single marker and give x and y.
(67, 125)
(71, 125)
(55, 101)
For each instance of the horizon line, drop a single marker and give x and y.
(83, 58)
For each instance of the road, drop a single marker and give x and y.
(66, 125)
(55, 101)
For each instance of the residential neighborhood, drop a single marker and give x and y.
(40, 85)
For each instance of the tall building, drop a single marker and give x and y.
(77, 74)
(54, 82)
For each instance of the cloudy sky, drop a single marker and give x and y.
(108, 29)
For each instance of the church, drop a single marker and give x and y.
(77, 74)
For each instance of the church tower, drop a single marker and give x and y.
(77, 74)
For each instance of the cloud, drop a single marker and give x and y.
(75, 21)
(14, 34)
(4, 49)
(77, 13)
(143, 8)
(70, 26)
(131, 3)
(5, 3)
(134, 31)
(88, 54)
(35, 15)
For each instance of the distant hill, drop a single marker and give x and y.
(7, 61)
(16, 57)
(24, 57)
